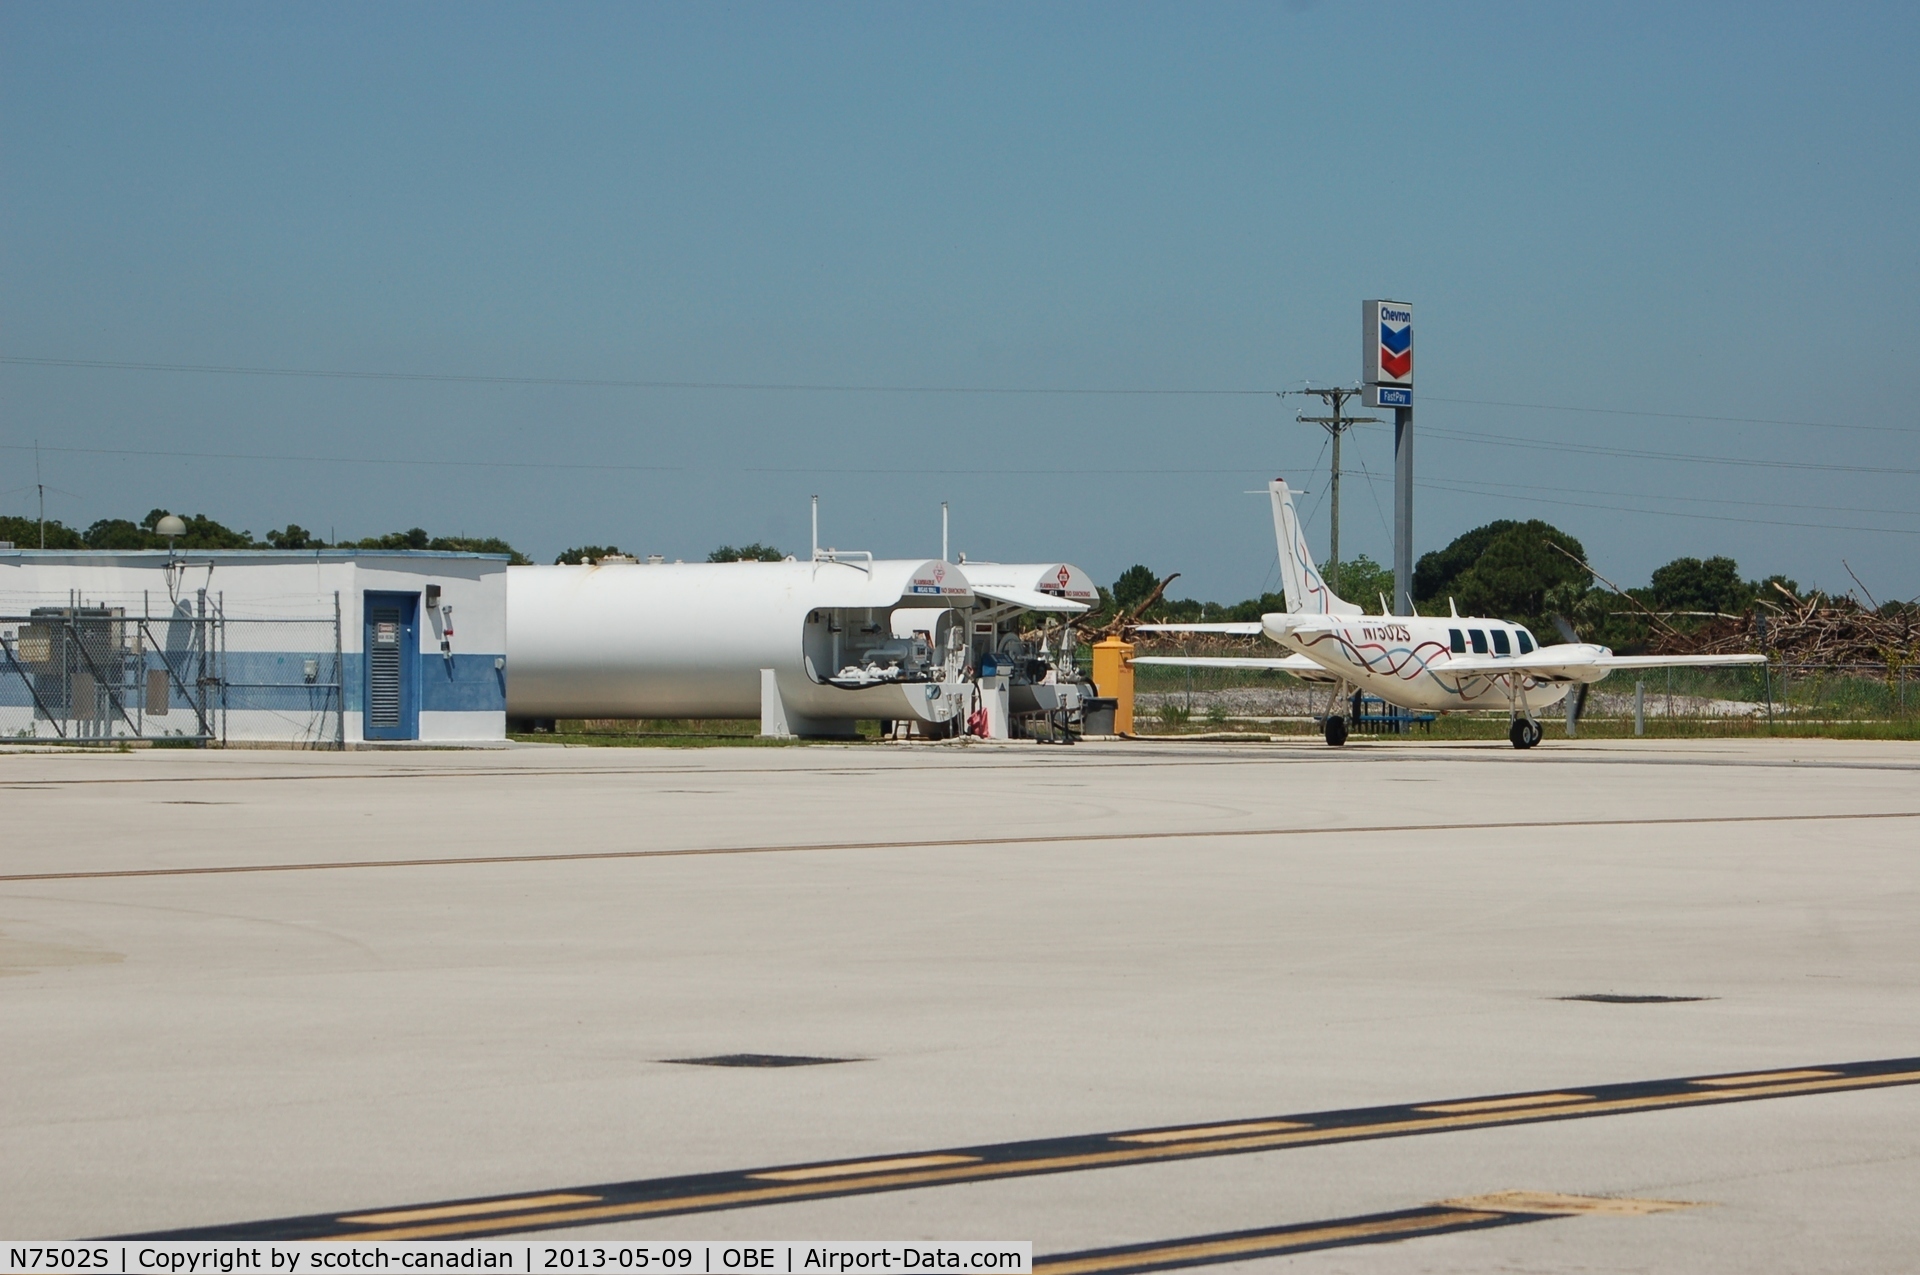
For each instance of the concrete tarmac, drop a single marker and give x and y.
(243, 986)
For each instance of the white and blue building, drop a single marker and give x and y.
(318, 648)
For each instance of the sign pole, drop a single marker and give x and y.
(1386, 369)
(1403, 510)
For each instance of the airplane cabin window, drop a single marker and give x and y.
(1500, 644)
(1479, 641)
(1526, 642)
(1459, 641)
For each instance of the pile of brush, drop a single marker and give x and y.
(1208, 644)
(1813, 630)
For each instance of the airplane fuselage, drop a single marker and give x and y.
(1405, 659)
(1426, 663)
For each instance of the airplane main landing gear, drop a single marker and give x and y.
(1336, 731)
(1525, 732)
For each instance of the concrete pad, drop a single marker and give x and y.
(214, 1016)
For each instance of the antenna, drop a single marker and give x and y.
(172, 526)
(943, 531)
(816, 528)
(41, 488)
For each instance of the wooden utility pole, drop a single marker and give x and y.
(1336, 425)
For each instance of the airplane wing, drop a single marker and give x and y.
(1285, 622)
(1679, 661)
(1247, 628)
(1282, 664)
(1583, 663)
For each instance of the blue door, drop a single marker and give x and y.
(393, 665)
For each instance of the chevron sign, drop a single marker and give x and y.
(1386, 352)
(1396, 351)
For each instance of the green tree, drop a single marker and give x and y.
(1434, 574)
(1362, 581)
(1518, 569)
(1134, 584)
(586, 554)
(416, 538)
(1253, 608)
(755, 552)
(294, 537)
(118, 533)
(1713, 584)
(202, 533)
(1690, 584)
(479, 544)
(25, 533)
(1175, 611)
(413, 538)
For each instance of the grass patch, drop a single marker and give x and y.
(661, 741)
(1809, 703)
(1464, 727)
(1175, 717)
(1172, 677)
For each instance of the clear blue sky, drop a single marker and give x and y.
(1705, 210)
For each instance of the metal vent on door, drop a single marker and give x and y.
(383, 668)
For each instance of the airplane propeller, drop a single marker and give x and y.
(1577, 702)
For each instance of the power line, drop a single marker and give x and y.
(1337, 424)
(599, 382)
(612, 466)
(1671, 416)
(1675, 513)
(1700, 500)
(1375, 493)
(1631, 453)
(1441, 485)
(1463, 485)
(808, 387)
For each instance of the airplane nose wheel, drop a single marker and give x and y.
(1336, 731)
(1525, 732)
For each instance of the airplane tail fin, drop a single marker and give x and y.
(1307, 593)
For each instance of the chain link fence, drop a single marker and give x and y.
(1785, 693)
(1781, 691)
(115, 671)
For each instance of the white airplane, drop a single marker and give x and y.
(1424, 663)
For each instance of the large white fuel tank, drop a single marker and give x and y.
(628, 639)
